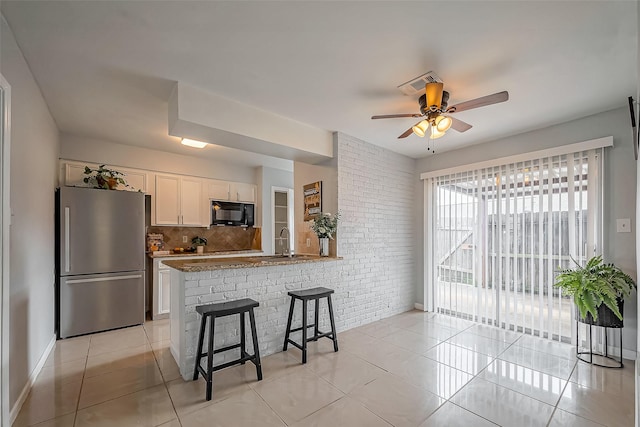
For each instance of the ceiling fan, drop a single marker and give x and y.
(435, 111)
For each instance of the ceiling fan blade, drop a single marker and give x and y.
(480, 102)
(459, 125)
(394, 116)
(406, 133)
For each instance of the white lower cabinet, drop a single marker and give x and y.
(164, 289)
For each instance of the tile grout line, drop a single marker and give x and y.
(555, 408)
(84, 372)
(164, 381)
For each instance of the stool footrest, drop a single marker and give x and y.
(301, 328)
(220, 350)
(313, 338)
(246, 358)
(231, 347)
(321, 335)
(295, 344)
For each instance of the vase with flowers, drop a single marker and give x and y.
(325, 226)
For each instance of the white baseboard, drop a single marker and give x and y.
(418, 306)
(32, 379)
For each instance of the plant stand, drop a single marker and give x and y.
(591, 353)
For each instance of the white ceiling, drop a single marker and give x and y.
(106, 69)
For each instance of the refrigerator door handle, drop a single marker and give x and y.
(105, 279)
(67, 251)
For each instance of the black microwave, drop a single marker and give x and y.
(232, 213)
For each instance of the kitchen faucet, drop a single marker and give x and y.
(287, 251)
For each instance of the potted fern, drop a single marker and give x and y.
(598, 291)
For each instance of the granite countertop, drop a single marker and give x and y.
(205, 254)
(198, 265)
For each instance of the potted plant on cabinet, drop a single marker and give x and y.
(598, 291)
(199, 243)
(104, 178)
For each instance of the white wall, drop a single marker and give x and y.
(373, 189)
(267, 178)
(619, 185)
(96, 151)
(34, 153)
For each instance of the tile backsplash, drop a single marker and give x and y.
(218, 238)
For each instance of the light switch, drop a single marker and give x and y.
(623, 225)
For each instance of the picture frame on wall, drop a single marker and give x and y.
(312, 200)
(634, 128)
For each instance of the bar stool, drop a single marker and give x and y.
(306, 295)
(213, 311)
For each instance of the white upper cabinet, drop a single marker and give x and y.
(191, 202)
(217, 190)
(167, 200)
(178, 201)
(241, 192)
(74, 176)
(231, 191)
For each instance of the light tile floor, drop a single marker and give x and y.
(414, 369)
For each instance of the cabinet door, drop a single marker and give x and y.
(74, 177)
(243, 192)
(191, 201)
(218, 190)
(164, 290)
(167, 200)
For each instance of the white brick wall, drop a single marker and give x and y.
(376, 235)
(376, 278)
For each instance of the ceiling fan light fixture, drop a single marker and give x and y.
(443, 123)
(433, 92)
(435, 133)
(421, 128)
(193, 143)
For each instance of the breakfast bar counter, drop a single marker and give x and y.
(266, 279)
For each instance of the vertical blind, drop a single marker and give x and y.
(497, 236)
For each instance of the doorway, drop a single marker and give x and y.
(282, 218)
(5, 218)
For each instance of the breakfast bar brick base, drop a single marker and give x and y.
(266, 284)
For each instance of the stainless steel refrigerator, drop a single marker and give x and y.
(100, 260)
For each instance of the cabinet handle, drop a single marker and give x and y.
(237, 195)
(67, 240)
(105, 279)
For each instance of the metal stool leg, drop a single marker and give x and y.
(304, 331)
(286, 337)
(203, 322)
(212, 323)
(243, 348)
(315, 329)
(256, 350)
(334, 335)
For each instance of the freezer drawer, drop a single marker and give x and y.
(98, 302)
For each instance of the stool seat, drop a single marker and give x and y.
(210, 312)
(312, 293)
(304, 295)
(227, 308)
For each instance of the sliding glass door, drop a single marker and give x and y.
(499, 235)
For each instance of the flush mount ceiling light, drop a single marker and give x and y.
(193, 143)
